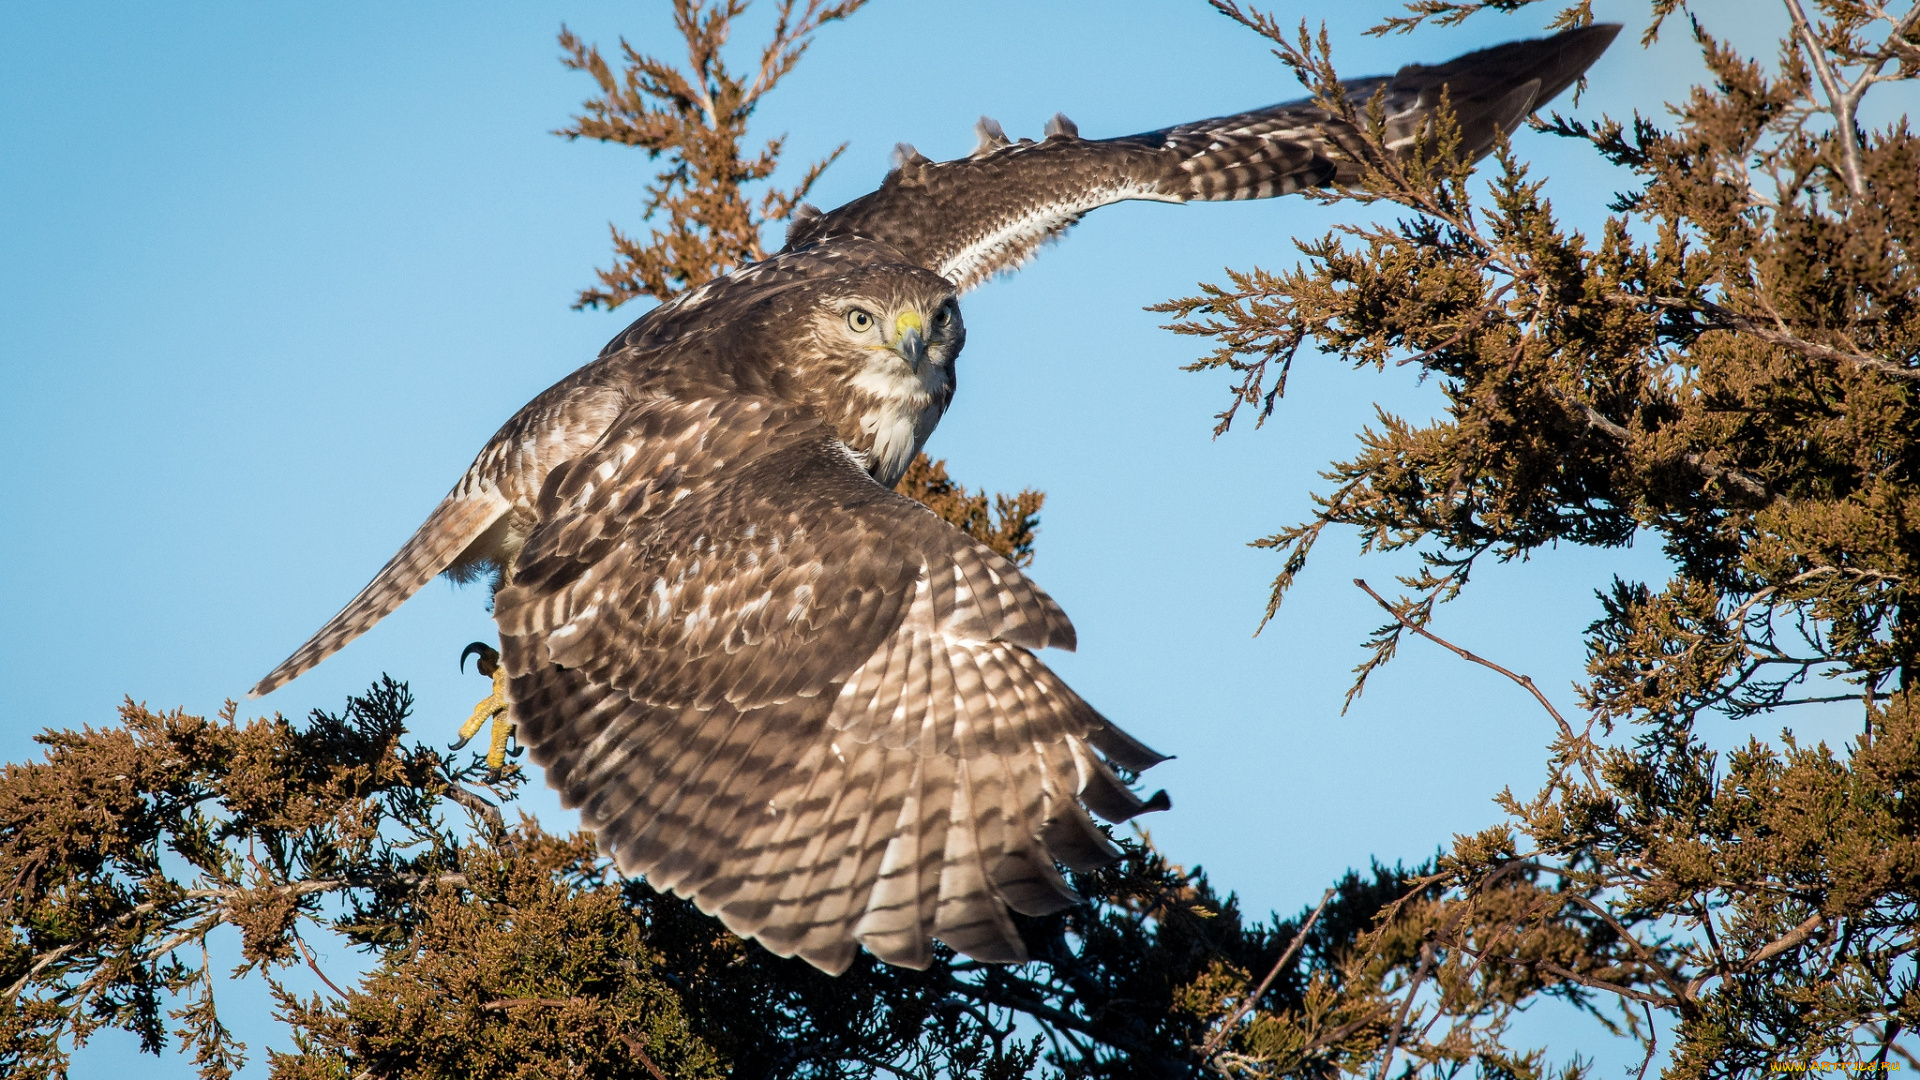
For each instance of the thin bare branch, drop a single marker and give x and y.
(1839, 102)
(1400, 1019)
(1220, 1033)
(1523, 681)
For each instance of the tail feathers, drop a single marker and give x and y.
(454, 525)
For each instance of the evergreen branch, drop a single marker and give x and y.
(1406, 1006)
(1728, 477)
(1212, 1044)
(1729, 320)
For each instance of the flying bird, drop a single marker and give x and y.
(772, 684)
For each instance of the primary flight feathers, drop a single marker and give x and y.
(772, 684)
(988, 212)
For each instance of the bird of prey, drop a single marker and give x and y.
(772, 684)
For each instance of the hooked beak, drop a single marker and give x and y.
(912, 348)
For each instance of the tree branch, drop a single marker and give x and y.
(1730, 320)
(1523, 681)
(1213, 1041)
(1731, 477)
(1399, 1021)
(1839, 102)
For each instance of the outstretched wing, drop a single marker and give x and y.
(798, 698)
(989, 212)
(561, 422)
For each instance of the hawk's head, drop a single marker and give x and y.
(884, 340)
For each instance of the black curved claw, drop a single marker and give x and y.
(458, 743)
(489, 659)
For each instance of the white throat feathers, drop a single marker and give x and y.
(903, 409)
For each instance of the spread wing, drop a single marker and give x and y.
(989, 212)
(798, 698)
(559, 423)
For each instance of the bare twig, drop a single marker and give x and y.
(1653, 1042)
(1887, 1035)
(1627, 992)
(1219, 1035)
(1641, 952)
(1523, 681)
(315, 965)
(1399, 1021)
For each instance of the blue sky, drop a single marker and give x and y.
(270, 274)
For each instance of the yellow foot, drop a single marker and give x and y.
(493, 707)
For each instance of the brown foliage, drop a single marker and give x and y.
(697, 120)
(530, 959)
(1729, 365)
(509, 952)
(1009, 529)
(268, 820)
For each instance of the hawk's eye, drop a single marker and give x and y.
(944, 317)
(859, 321)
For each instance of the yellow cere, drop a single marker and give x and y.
(908, 320)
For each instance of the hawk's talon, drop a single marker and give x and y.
(489, 657)
(493, 707)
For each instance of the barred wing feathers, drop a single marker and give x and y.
(460, 519)
(990, 212)
(557, 425)
(800, 699)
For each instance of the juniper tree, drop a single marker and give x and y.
(1729, 366)
(501, 949)
(1726, 368)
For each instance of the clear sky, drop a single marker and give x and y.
(271, 273)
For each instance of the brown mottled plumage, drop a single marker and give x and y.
(772, 684)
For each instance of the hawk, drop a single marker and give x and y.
(772, 684)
